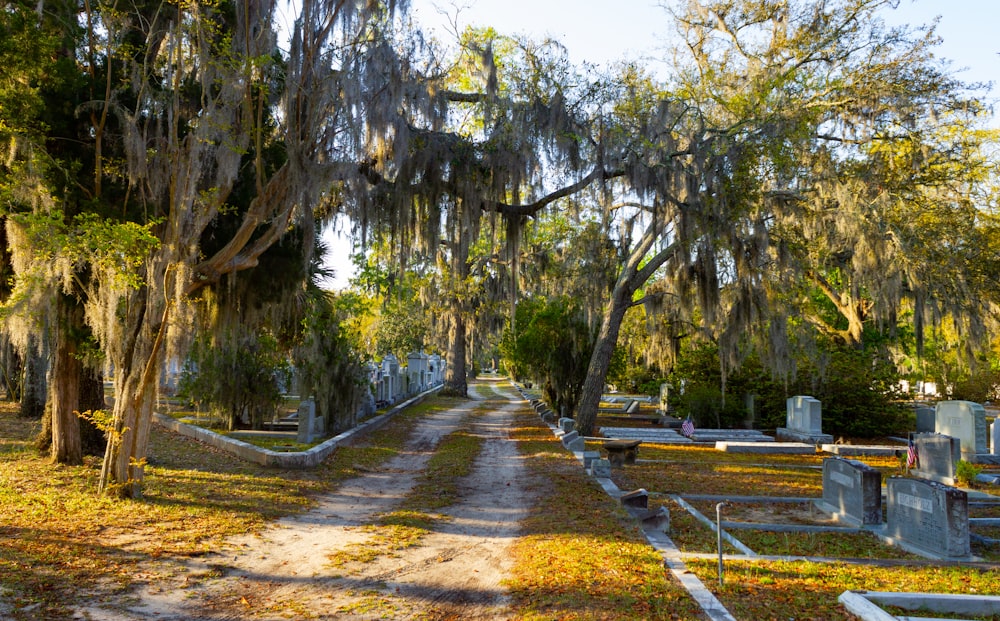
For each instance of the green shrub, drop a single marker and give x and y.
(966, 473)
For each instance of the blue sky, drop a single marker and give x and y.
(603, 30)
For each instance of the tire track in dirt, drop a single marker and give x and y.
(455, 572)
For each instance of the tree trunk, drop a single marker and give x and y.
(12, 367)
(455, 381)
(34, 384)
(136, 372)
(600, 360)
(64, 399)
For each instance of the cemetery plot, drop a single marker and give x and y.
(770, 503)
(696, 469)
(757, 588)
(777, 511)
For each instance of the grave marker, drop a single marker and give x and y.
(307, 421)
(966, 421)
(925, 420)
(995, 437)
(931, 517)
(804, 421)
(852, 491)
(936, 457)
(600, 468)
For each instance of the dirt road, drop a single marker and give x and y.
(455, 572)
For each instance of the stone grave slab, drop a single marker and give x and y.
(567, 424)
(775, 448)
(966, 421)
(936, 457)
(588, 458)
(929, 517)
(852, 491)
(861, 450)
(668, 435)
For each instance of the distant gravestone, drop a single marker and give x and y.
(966, 421)
(937, 456)
(928, 516)
(852, 491)
(804, 421)
(307, 421)
(995, 437)
(600, 468)
(573, 442)
(925, 420)
(664, 397)
(566, 424)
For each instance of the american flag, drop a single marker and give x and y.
(687, 427)
(911, 455)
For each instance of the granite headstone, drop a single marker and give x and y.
(925, 419)
(929, 516)
(852, 491)
(937, 456)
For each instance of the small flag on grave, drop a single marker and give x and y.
(687, 427)
(911, 455)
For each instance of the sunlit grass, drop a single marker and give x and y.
(761, 589)
(580, 556)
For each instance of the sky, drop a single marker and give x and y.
(599, 31)
(603, 31)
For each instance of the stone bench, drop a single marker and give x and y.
(621, 452)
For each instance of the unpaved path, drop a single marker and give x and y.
(454, 573)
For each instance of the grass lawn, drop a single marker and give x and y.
(579, 556)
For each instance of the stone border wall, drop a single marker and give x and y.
(289, 460)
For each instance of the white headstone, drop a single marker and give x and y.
(804, 413)
(995, 437)
(964, 420)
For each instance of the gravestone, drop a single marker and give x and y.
(664, 397)
(995, 437)
(569, 436)
(566, 424)
(936, 457)
(573, 442)
(637, 498)
(966, 421)
(928, 516)
(804, 421)
(925, 420)
(852, 491)
(600, 468)
(307, 421)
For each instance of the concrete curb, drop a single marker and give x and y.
(288, 460)
(712, 607)
(868, 604)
